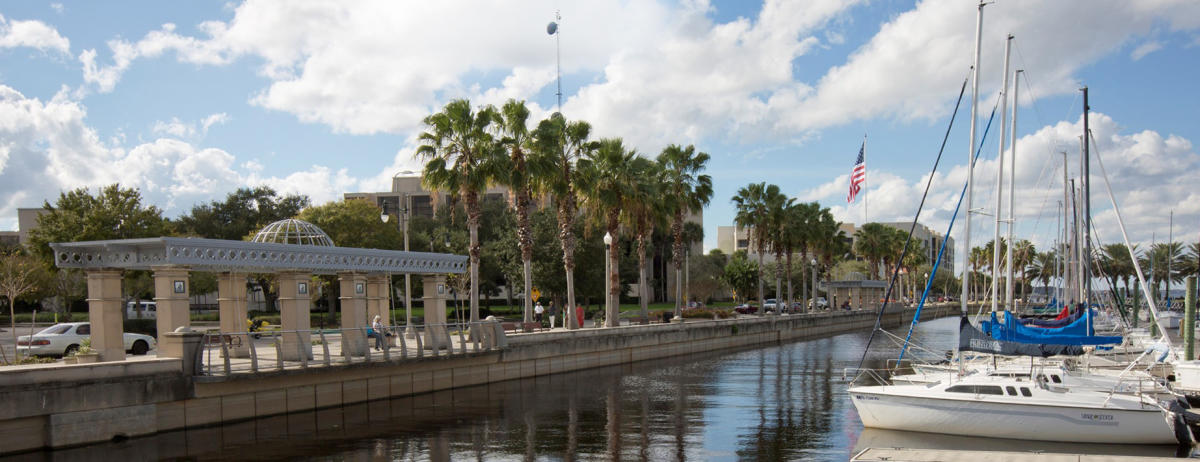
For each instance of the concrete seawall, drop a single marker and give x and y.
(61, 406)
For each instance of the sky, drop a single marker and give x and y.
(189, 101)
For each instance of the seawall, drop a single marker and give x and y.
(56, 406)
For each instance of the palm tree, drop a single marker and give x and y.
(798, 234)
(1023, 255)
(1043, 267)
(645, 211)
(559, 145)
(462, 157)
(875, 243)
(517, 140)
(777, 206)
(606, 178)
(751, 205)
(830, 241)
(687, 192)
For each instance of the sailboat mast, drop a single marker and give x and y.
(1012, 186)
(1169, 254)
(1063, 246)
(966, 280)
(1000, 177)
(1087, 208)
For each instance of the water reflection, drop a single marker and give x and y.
(785, 402)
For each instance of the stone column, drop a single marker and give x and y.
(104, 311)
(295, 288)
(171, 296)
(434, 298)
(231, 303)
(378, 302)
(354, 312)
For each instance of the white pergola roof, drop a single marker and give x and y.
(221, 255)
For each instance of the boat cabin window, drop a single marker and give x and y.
(1025, 392)
(976, 389)
(1012, 391)
(1055, 378)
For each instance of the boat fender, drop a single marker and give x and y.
(1182, 433)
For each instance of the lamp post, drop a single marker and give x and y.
(926, 286)
(405, 207)
(609, 319)
(813, 307)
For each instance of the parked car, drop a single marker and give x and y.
(745, 308)
(770, 305)
(145, 309)
(822, 303)
(694, 305)
(64, 339)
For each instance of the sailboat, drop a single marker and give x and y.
(1017, 406)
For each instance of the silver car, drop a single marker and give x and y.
(65, 338)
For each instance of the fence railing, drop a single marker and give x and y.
(227, 353)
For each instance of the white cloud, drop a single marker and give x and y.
(188, 130)
(153, 45)
(57, 7)
(47, 147)
(32, 34)
(1145, 49)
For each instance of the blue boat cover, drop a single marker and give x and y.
(971, 339)
(1079, 332)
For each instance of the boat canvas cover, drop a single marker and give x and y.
(972, 339)
(1076, 333)
(1060, 321)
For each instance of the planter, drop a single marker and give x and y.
(87, 358)
(70, 360)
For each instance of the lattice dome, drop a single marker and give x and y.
(292, 231)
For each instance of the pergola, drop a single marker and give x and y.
(363, 275)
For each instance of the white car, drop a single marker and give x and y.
(64, 339)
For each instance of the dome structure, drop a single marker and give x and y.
(292, 231)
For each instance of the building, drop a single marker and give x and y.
(27, 220)
(731, 239)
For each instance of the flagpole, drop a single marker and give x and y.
(864, 179)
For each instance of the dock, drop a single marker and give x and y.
(954, 455)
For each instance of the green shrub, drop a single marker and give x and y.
(705, 313)
(35, 360)
(45, 316)
(205, 316)
(142, 326)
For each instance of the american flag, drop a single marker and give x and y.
(858, 175)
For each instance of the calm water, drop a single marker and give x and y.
(785, 402)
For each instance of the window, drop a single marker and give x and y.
(977, 389)
(1055, 378)
(1025, 392)
(743, 243)
(59, 329)
(85, 329)
(1012, 391)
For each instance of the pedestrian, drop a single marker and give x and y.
(579, 315)
(553, 313)
(377, 332)
(538, 310)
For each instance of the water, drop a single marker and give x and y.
(785, 402)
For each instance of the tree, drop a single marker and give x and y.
(1023, 255)
(353, 223)
(777, 220)
(646, 213)
(19, 274)
(559, 145)
(797, 234)
(741, 274)
(606, 179)
(113, 213)
(830, 242)
(686, 192)
(241, 212)
(875, 243)
(518, 140)
(752, 209)
(462, 157)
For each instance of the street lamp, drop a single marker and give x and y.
(814, 284)
(926, 288)
(409, 331)
(608, 302)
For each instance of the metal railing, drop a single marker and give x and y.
(228, 353)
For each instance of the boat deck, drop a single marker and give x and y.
(951, 455)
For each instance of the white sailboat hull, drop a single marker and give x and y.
(977, 417)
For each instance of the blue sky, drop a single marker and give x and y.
(190, 101)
